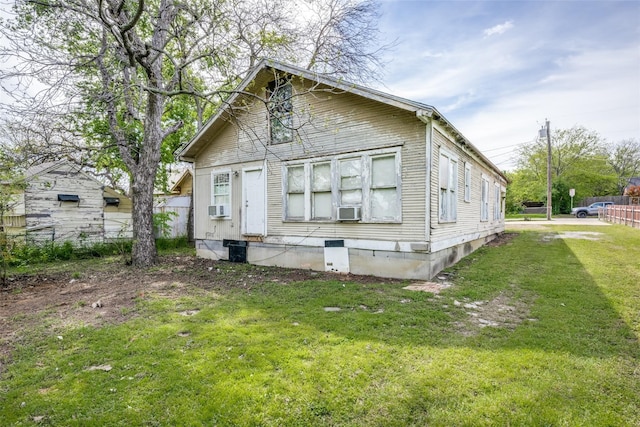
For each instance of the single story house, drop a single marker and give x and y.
(306, 171)
(60, 203)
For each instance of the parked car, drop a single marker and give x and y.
(592, 209)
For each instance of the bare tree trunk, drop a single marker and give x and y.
(144, 245)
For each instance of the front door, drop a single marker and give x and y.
(253, 192)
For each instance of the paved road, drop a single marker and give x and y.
(543, 223)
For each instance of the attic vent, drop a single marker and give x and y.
(112, 201)
(68, 198)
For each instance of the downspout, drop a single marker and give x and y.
(426, 118)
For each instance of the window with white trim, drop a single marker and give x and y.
(321, 205)
(384, 188)
(221, 194)
(280, 107)
(350, 184)
(448, 187)
(497, 202)
(314, 190)
(484, 200)
(467, 182)
(295, 191)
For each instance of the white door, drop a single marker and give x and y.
(253, 192)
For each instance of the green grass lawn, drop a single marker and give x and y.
(561, 349)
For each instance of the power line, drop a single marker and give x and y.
(508, 146)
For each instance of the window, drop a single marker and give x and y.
(467, 182)
(321, 191)
(280, 111)
(497, 202)
(314, 190)
(448, 187)
(295, 192)
(484, 200)
(384, 188)
(221, 194)
(350, 185)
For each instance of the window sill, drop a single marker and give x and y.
(335, 221)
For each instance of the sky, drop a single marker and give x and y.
(498, 69)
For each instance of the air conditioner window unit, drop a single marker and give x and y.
(219, 210)
(348, 213)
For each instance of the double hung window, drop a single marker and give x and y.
(295, 192)
(484, 199)
(220, 194)
(467, 182)
(384, 188)
(448, 187)
(321, 191)
(316, 189)
(280, 107)
(497, 202)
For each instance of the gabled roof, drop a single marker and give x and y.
(42, 168)
(180, 180)
(422, 111)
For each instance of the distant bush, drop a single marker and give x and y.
(35, 253)
(165, 243)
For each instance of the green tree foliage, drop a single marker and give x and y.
(579, 160)
(133, 79)
(11, 186)
(624, 159)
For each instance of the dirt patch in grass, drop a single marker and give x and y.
(502, 239)
(582, 235)
(503, 311)
(107, 293)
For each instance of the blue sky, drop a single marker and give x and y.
(498, 69)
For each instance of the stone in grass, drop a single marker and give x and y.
(329, 309)
(105, 368)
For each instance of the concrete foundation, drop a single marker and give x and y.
(418, 265)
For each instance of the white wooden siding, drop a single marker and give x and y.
(342, 123)
(468, 225)
(49, 219)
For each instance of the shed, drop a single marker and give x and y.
(60, 202)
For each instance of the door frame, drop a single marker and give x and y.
(245, 217)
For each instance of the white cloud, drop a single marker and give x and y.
(499, 90)
(498, 29)
(594, 89)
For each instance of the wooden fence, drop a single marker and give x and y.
(618, 200)
(627, 215)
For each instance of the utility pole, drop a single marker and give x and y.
(545, 132)
(548, 170)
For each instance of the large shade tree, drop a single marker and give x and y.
(579, 160)
(624, 159)
(132, 79)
